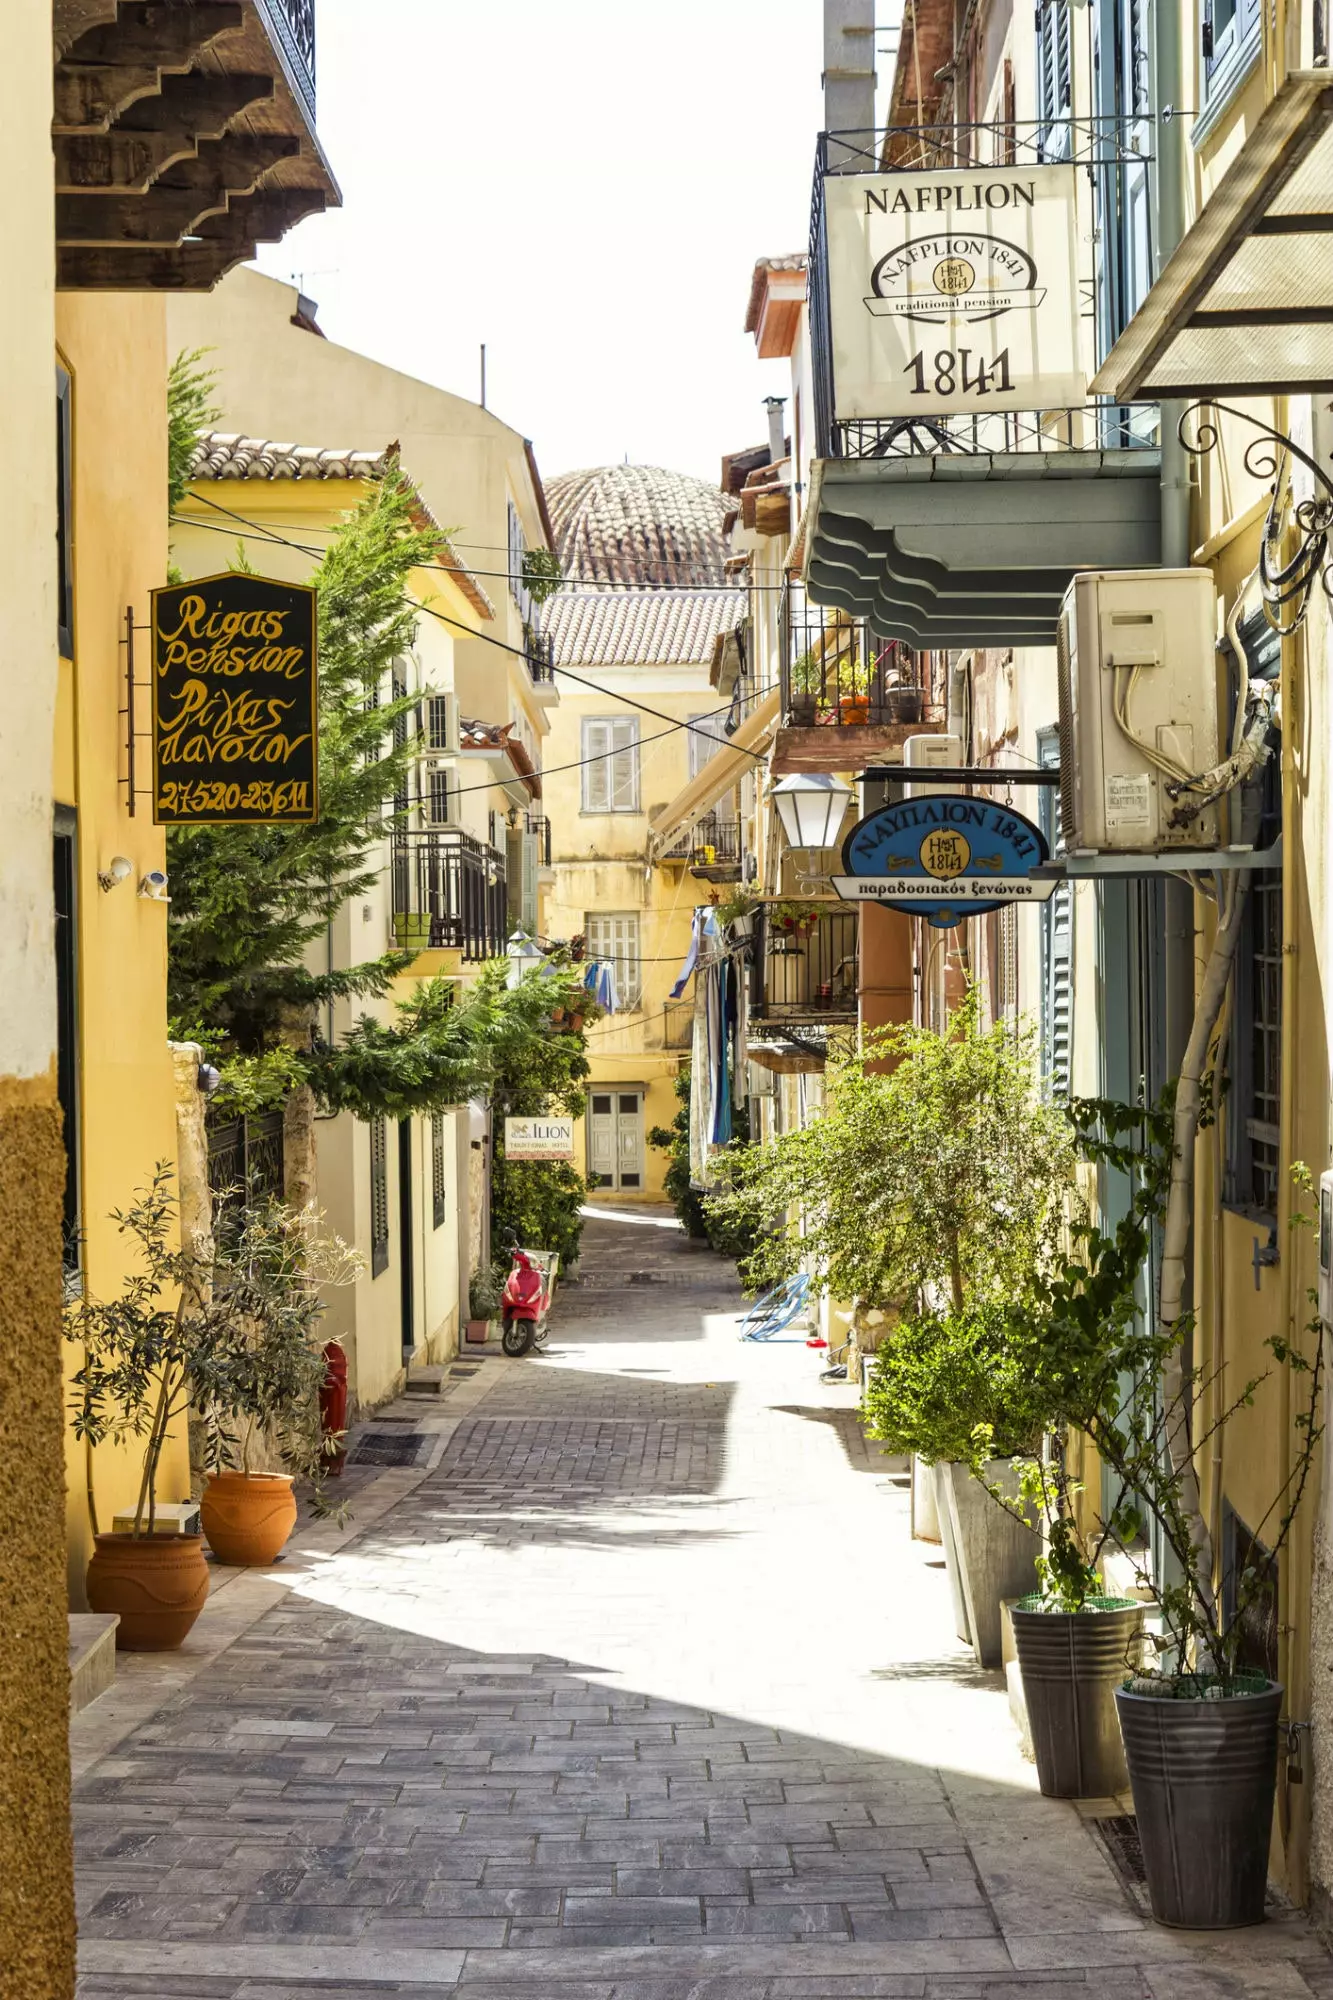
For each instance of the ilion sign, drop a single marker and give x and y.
(539, 1138)
(234, 702)
(953, 292)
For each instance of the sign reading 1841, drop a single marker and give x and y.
(234, 702)
(953, 291)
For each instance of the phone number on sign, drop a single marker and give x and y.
(261, 797)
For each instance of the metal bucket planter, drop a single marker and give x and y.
(1072, 1663)
(1203, 1774)
(994, 1554)
(952, 1566)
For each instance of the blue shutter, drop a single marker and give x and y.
(1057, 944)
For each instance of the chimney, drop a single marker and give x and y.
(849, 81)
(777, 440)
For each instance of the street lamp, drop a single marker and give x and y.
(812, 807)
(522, 954)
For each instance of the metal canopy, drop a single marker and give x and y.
(1260, 256)
(977, 549)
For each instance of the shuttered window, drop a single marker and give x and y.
(437, 797)
(439, 1186)
(1253, 1103)
(379, 1196)
(437, 722)
(1055, 77)
(706, 736)
(1057, 943)
(611, 763)
(1230, 33)
(616, 937)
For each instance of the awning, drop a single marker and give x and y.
(718, 775)
(1246, 301)
(977, 548)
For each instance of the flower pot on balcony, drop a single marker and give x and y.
(411, 930)
(477, 1332)
(802, 711)
(854, 709)
(905, 704)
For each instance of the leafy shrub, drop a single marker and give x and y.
(949, 1386)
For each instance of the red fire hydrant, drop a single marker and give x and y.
(333, 1409)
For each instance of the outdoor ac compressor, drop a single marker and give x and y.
(1138, 684)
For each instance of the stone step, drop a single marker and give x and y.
(426, 1381)
(92, 1656)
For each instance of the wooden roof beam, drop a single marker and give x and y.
(169, 36)
(197, 106)
(186, 195)
(117, 161)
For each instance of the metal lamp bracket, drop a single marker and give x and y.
(1286, 587)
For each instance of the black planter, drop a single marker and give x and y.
(1203, 1774)
(1072, 1663)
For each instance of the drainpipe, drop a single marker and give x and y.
(849, 81)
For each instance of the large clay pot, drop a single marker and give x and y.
(248, 1516)
(156, 1585)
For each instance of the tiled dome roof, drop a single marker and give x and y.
(639, 524)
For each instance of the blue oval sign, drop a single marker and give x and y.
(944, 857)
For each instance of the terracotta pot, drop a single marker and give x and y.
(854, 708)
(248, 1516)
(478, 1331)
(158, 1585)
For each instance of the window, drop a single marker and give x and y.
(439, 1186)
(1057, 941)
(616, 938)
(706, 736)
(1055, 91)
(611, 764)
(437, 797)
(1254, 1062)
(437, 722)
(379, 1196)
(1229, 33)
(518, 548)
(65, 514)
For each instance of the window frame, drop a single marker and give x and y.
(600, 755)
(65, 511)
(625, 956)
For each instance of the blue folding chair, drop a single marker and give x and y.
(770, 1315)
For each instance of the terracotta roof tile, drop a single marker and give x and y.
(639, 524)
(640, 627)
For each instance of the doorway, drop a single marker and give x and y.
(615, 1139)
(406, 1268)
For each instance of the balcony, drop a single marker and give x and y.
(539, 652)
(449, 894)
(715, 849)
(184, 137)
(805, 975)
(958, 521)
(678, 1026)
(849, 699)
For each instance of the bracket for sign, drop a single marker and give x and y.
(923, 776)
(127, 644)
(1174, 861)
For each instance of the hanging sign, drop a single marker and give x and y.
(944, 857)
(234, 702)
(953, 291)
(539, 1138)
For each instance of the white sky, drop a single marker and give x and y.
(585, 187)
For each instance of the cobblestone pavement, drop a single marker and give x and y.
(636, 1689)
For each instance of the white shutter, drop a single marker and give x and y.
(616, 937)
(1057, 946)
(596, 766)
(625, 764)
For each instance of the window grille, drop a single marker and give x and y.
(379, 1196)
(439, 1186)
(437, 798)
(1254, 1064)
(1057, 942)
(616, 937)
(610, 764)
(437, 722)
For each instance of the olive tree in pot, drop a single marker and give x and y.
(266, 1279)
(147, 1355)
(1200, 1732)
(935, 1185)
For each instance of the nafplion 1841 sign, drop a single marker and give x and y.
(945, 857)
(953, 291)
(234, 702)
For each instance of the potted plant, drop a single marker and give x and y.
(805, 688)
(266, 1277)
(793, 919)
(146, 1357)
(1200, 1731)
(736, 914)
(411, 929)
(483, 1299)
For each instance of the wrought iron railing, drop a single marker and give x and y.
(804, 964)
(291, 23)
(539, 653)
(1112, 152)
(449, 894)
(716, 843)
(835, 673)
(540, 828)
(244, 1165)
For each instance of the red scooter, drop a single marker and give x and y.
(525, 1301)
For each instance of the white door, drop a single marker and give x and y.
(615, 1139)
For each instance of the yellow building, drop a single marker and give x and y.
(634, 634)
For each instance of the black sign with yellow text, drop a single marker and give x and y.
(234, 702)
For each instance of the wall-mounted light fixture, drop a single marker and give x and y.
(208, 1078)
(812, 807)
(117, 870)
(153, 887)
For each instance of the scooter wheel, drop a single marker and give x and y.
(517, 1338)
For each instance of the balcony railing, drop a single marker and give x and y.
(806, 973)
(449, 894)
(1116, 158)
(539, 653)
(291, 23)
(678, 1025)
(540, 828)
(836, 674)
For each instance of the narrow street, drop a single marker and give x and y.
(640, 1692)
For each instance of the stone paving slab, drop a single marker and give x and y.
(636, 1689)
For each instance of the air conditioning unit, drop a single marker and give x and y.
(441, 735)
(932, 753)
(1137, 663)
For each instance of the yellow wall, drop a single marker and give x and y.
(115, 350)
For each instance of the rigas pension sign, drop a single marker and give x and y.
(945, 857)
(953, 291)
(234, 701)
